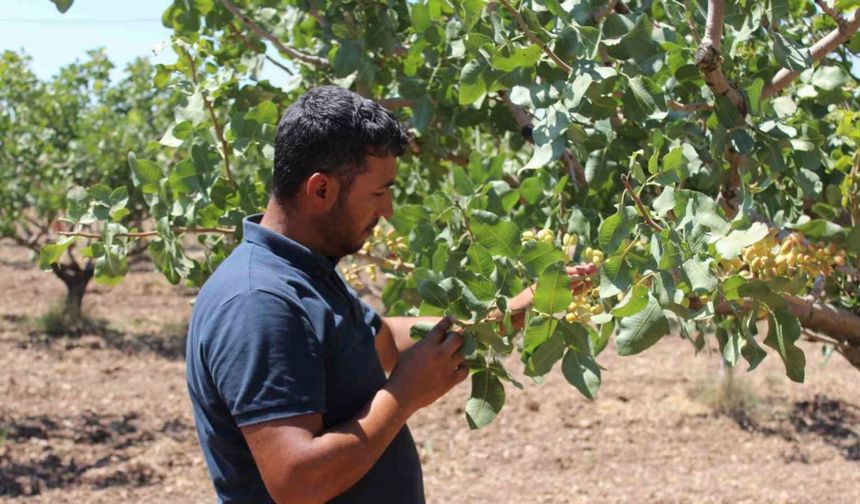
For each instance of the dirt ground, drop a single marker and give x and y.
(104, 418)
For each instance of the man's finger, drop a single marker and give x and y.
(437, 334)
(452, 342)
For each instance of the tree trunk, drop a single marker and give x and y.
(76, 280)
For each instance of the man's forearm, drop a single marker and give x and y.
(401, 326)
(338, 457)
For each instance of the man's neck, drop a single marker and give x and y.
(300, 230)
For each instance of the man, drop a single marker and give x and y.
(286, 367)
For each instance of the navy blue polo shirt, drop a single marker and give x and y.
(275, 333)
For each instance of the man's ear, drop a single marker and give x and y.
(322, 190)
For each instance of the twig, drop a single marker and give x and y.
(149, 234)
(396, 264)
(574, 167)
(219, 133)
(603, 12)
(251, 47)
(688, 107)
(295, 54)
(694, 31)
(396, 103)
(642, 210)
(533, 38)
(830, 11)
(820, 49)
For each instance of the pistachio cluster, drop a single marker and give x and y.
(584, 306)
(769, 258)
(593, 256)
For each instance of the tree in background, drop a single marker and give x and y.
(60, 135)
(703, 155)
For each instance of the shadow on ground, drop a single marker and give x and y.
(833, 421)
(43, 452)
(168, 343)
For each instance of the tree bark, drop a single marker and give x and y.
(76, 280)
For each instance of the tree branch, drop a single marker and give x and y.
(247, 44)
(149, 234)
(688, 107)
(820, 49)
(295, 54)
(642, 210)
(524, 121)
(396, 103)
(602, 13)
(708, 58)
(524, 27)
(219, 133)
(838, 18)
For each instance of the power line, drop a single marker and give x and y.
(78, 21)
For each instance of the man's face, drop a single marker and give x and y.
(360, 206)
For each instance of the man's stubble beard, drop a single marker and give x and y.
(339, 231)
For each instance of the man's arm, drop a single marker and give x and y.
(302, 463)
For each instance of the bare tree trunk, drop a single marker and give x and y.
(76, 280)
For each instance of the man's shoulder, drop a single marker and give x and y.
(249, 275)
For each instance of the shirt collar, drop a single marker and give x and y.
(294, 252)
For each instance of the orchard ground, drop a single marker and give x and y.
(104, 417)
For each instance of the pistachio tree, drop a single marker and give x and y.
(703, 156)
(60, 136)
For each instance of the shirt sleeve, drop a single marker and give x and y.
(267, 362)
(371, 318)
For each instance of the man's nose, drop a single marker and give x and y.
(387, 209)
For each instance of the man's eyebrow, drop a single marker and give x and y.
(388, 184)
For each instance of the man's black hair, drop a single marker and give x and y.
(331, 130)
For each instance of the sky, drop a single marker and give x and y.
(125, 28)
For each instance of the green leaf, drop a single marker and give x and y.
(147, 174)
(433, 293)
(613, 231)
(347, 59)
(194, 111)
(783, 331)
(472, 84)
(702, 280)
(63, 5)
(536, 256)
(264, 113)
(730, 246)
(462, 183)
(853, 241)
(545, 356)
(647, 96)
(830, 77)
(754, 96)
(51, 252)
(727, 112)
(635, 301)
(819, 228)
(500, 237)
(420, 330)
(616, 276)
(751, 351)
(486, 400)
(525, 57)
(643, 329)
(582, 372)
(553, 290)
(789, 54)
(472, 10)
(539, 330)
(480, 260)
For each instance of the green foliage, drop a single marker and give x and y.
(474, 183)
